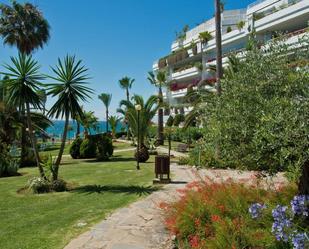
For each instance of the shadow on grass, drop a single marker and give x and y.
(100, 189)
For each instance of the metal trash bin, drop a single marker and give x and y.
(162, 168)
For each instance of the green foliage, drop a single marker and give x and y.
(260, 121)
(241, 25)
(39, 185)
(205, 37)
(23, 26)
(104, 147)
(169, 121)
(88, 148)
(143, 155)
(8, 165)
(58, 185)
(75, 148)
(228, 29)
(183, 161)
(113, 122)
(179, 118)
(120, 134)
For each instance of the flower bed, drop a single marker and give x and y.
(215, 215)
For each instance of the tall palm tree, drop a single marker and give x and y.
(219, 70)
(23, 87)
(148, 111)
(126, 83)
(106, 99)
(113, 121)
(23, 26)
(159, 81)
(71, 88)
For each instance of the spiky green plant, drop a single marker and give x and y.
(23, 85)
(114, 121)
(71, 89)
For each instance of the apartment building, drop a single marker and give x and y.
(191, 58)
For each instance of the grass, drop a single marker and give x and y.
(50, 221)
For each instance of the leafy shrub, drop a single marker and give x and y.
(213, 215)
(121, 134)
(265, 130)
(58, 185)
(104, 148)
(75, 148)
(179, 118)
(183, 161)
(28, 159)
(8, 165)
(229, 29)
(169, 121)
(39, 185)
(88, 148)
(143, 155)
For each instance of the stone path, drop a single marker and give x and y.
(138, 226)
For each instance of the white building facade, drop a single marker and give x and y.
(190, 61)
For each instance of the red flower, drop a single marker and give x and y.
(194, 241)
(197, 222)
(215, 218)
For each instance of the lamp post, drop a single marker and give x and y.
(138, 109)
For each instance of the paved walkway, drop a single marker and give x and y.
(138, 226)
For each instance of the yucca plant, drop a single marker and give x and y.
(71, 89)
(23, 85)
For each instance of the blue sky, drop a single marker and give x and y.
(116, 38)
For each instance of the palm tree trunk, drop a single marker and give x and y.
(128, 127)
(219, 69)
(64, 137)
(33, 141)
(106, 120)
(160, 140)
(77, 129)
(303, 185)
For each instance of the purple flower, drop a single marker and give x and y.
(298, 240)
(256, 209)
(300, 205)
(281, 223)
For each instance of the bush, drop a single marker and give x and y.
(104, 147)
(169, 121)
(58, 185)
(88, 148)
(75, 148)
(143, 154)
(39, 185)
(183, 161)
(28, 159)
(8, 165)
(121, 134)
(216, 215)
(179, 118)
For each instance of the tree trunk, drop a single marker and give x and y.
(303, 185)
(34, 144)
(64, 137)
(128, 127)
(77, 129)
(219, 69)
(160, 139)
(106, 120)
(24, 141)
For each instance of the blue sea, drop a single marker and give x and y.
(56, 130)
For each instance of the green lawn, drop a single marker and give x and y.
(51, 220)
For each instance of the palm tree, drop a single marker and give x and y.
(113, 121)
(23, 88)
(70, 88)
(126, 83)
(23, 26)
(106, 99)
(159, 81)
(219, 70)
(148, 111)
(89, 121)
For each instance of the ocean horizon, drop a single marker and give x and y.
(56, 129)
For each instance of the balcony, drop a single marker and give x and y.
(186, 73)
